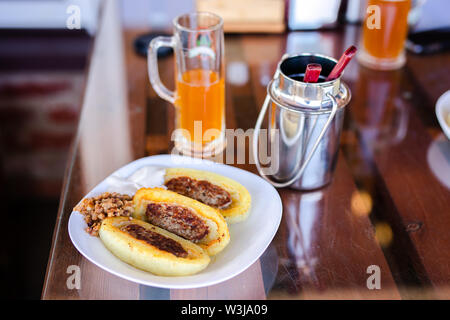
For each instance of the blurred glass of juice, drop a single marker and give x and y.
(385, 28)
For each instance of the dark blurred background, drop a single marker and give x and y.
(42, 70)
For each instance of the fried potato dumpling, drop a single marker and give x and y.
(152, 249)
(230, 197)
(183, 216)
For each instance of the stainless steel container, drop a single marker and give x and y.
(305, 123)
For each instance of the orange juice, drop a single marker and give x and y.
(200, 97)
(387, 42)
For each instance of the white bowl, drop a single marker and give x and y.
(443, 111)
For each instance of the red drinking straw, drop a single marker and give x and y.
(342, 63)
(312, 73)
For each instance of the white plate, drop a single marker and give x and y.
(249, 239)
(442, 112)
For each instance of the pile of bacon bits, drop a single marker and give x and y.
(105, 205)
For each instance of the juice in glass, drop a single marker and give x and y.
(200, 97)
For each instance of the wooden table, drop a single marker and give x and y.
(387, 205)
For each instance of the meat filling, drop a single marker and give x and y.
(155, 239)
(200, 190)
(177, 219)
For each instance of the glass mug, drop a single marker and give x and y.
(383, 45)
(199, 97)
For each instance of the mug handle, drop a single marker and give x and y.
(152, 65)
(311, 153)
